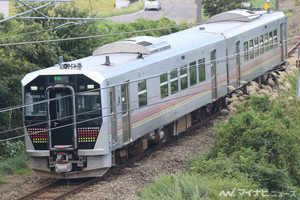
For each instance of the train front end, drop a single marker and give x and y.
(64, 128)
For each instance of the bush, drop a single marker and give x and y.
(264, 141)
(195, 186)
(12, 149)
(13, 160)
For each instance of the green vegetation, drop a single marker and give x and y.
(256, 150)
(195, 186)
(99, 8)
(213, 7)
(13, 161)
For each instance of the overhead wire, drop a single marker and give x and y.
(123, 33)
(41, 31)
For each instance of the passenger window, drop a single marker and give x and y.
(251, 49)
(164, 92)
(193, 74)
(111, 100)
(201, 69)
(183, 77)
(275, 38)
(271, 40)
(256, 47)
(174, 81)
(266, 43)
(246, 58)
(142, 93)
(261, 44)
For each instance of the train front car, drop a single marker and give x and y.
(63, 120)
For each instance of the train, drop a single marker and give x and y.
(86, 116)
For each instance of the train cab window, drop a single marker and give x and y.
(174, 81)
(164, 91)
(34, 92)
(193, 73)
(201, 69)
(266, 42)
(246, 53)
(256, 48)
(275, 38)
(89, 103)
(142, 93)
(251, 49)
(271, 40)
(183, 77)
(261, 44)
(38, 109)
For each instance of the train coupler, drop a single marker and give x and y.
(62, 163)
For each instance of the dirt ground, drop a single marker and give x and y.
(19, 184)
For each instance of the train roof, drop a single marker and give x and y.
(123, 54)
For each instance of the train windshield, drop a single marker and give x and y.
(35, 107)
(89, 104)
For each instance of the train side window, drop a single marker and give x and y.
(251, 49)
(193, 73)
(275, 38)
(246, 53)
(183, 77)
(164, 92)
(261, 44)
(271, 40)
(256, 46)
(266, 42)
(111, 100)
(174, 81)
(201, 69)
(142, 93)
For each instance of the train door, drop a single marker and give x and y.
(281, 42)
(238, 63)
(126, 113)
(61, 118)
(214, 85)
(113, 117)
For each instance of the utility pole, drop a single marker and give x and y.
(277, 5)
(199, 12)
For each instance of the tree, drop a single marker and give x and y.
(213, 7)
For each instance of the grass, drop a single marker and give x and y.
(13, 166)
(100, 8)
